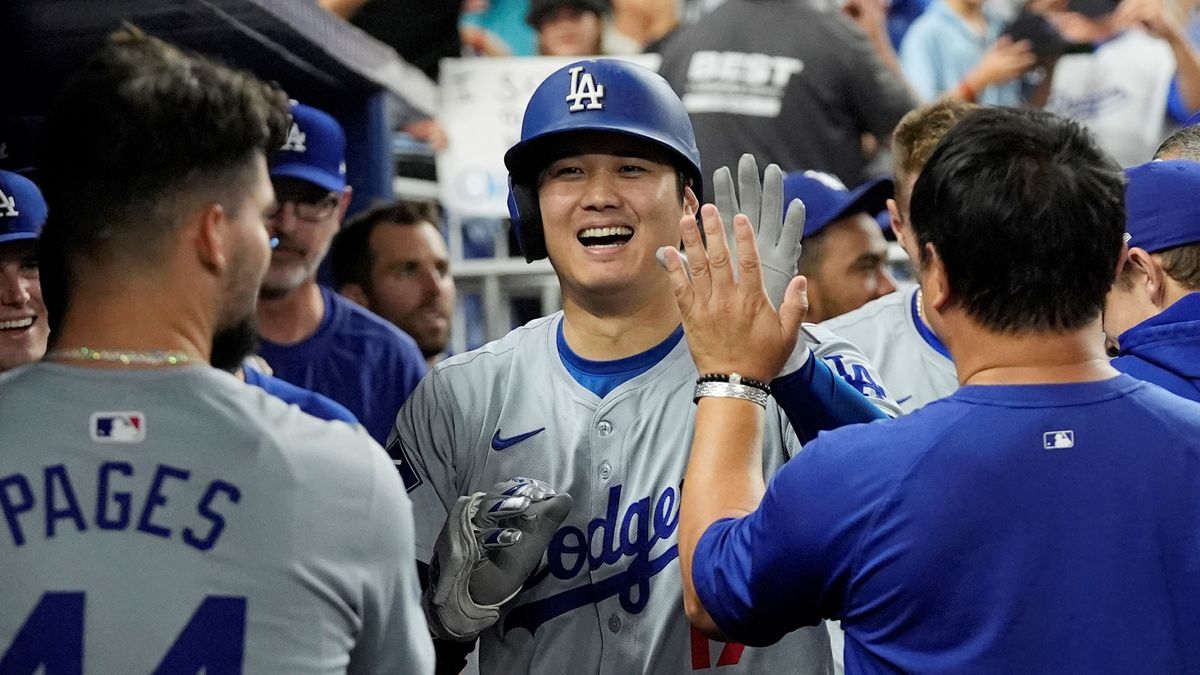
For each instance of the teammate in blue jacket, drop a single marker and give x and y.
(311, 336)
(1153, 312)
(1040, 519)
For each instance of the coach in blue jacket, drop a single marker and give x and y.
(1152, 316)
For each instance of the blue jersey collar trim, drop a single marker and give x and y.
(636, 363)
(601, 377)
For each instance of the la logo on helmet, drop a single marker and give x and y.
(8, 206)
(583, 86)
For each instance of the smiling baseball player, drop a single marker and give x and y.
(596, 400)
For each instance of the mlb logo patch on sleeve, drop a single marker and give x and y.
(1058, 440)
(118, 427)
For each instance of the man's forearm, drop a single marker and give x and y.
(724, 480)
(882, 44)
(1187, 65)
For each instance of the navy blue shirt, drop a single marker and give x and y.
(1034, 528)
(354, 358)
(321, 407)
(1165, 349)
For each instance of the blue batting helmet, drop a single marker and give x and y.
(593, 95)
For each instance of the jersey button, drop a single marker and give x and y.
(604, 428)
(605, 470)
(614, 623)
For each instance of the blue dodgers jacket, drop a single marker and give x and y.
(1165, 349)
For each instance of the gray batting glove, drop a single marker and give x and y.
(491, 543)
(778, 237)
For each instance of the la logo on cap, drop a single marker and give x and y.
(296, 139)
(8, 206)
(584, 86)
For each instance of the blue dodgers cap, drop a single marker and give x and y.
(826, 198)
(315, 149)
(1161, 207)
(22, 208)
(607, 95)
(594, 95)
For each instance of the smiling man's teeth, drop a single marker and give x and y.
(607, 232)
(16, 323)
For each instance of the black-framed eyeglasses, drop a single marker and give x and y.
(306, 208)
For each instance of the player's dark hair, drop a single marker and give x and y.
(1183, 144)
(142, 133)
(1027, 215)
(1182, 263)
(350, 254)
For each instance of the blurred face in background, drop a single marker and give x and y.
(23, 324)
(411, 284)
(569, 31)
(849, 268)
(305, 221)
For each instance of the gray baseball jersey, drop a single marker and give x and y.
(908, 355)
(608, 597)
(180, 521)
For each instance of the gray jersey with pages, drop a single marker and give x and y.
(908, 355)
(180, 521)
(608, 596)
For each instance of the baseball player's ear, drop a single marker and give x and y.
(211, 229)
(346, 195)
(1156, 279)
(935, 286)
(898, 225)
(355, 293)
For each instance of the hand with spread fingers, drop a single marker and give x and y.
(730, 323)
(778, 237)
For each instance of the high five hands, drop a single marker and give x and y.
(725, 294)
(777, 238)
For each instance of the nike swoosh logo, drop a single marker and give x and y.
(901, 401)
(501, 443)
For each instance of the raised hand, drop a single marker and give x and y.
(731, 325)
(777, 238)
(1003, 61)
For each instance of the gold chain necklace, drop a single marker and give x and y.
(157, 357)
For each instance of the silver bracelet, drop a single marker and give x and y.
(730, 390)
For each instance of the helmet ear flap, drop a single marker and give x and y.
(526, 218)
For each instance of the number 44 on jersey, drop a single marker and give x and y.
(51, 641)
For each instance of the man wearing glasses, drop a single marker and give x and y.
(311, 336)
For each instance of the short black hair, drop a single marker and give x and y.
(350, 254)
(140, 131)
(1027, 214)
